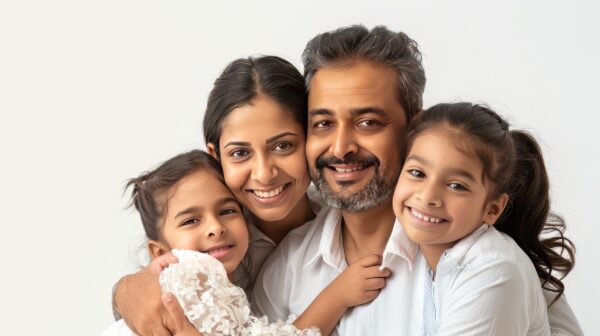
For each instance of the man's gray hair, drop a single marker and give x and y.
(380, 45)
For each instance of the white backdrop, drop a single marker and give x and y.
(95, 92)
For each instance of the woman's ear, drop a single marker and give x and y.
(495, 209)
(210, 148)
(156, 249)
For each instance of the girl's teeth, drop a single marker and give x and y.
(425, 218)
(268, 194)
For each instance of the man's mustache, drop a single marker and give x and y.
(349, 159)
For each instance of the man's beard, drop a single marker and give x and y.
(376, 191)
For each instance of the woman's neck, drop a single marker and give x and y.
(277, 230)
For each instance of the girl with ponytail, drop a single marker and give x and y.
(473, 195)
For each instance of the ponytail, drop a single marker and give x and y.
(512, 161)
(527, 219)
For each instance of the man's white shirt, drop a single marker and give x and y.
(312, 256)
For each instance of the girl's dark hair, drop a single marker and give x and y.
(512, 161)
(146, 187)
(246, 78)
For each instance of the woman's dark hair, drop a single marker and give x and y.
(246, 78)
(512, 161)
(149, 185)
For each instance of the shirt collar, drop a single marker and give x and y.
(257, 235)
(456, 253)
(330, 246)
(399, 245)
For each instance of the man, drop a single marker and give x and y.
(364, 86)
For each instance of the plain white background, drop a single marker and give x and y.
(95, 92)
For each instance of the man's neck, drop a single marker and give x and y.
(365, 233)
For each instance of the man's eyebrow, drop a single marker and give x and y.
(451, 171)
(320, 111)
(280, 135)
(369, 109)
(237, 143)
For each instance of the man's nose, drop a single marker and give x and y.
(344, 142)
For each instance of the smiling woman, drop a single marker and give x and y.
(255, 125)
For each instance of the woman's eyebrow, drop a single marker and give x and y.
(280, 135)
(237, 143)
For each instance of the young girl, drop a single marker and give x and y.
(185, 205)
(474, 196)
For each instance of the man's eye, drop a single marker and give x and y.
(190, 221)
(415, 173)
(368, 123)
(322, 124)
(457, 186)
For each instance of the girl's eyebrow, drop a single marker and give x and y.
(454, 170)
(195, 209)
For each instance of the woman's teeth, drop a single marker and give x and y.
(430, 219)
(269, 194)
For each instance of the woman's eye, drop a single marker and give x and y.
(456, 186)
(415, 173)
(239, 153)
(283, 146)
(190, 221)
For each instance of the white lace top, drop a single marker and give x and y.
(211, 302)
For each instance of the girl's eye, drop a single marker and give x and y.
(190, 221)
(282, 146)
(456, 186)
(229, 211)
(416, 173)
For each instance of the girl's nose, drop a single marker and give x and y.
(214, 228)
(430, 195)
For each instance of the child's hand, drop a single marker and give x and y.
(360, 282)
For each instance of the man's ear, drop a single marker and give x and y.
(156, 249)
(495, 209)
(210, 148)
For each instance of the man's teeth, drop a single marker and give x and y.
(269, 194)
(347, 170)
(425, 218)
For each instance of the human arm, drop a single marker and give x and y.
(561, 317)
(359, 283)
(137, 298)
(180, 325)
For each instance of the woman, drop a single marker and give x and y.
(255, 125)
